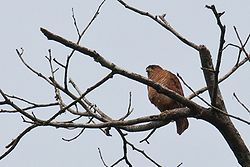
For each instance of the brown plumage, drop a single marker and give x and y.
(163, 102)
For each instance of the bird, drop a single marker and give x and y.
(161, 101)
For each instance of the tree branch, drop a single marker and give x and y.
(14, 142)
(100, 154)
(20, 54)
(162, 22)
(219, 56)
(227, 75)
(242, 104)
(80, 35)
(133, 125)
(98, 119)
(117, 70)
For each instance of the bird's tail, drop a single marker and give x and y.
(181, 125)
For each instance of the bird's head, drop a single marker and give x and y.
(152, 69)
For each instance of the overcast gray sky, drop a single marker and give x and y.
(133, 42)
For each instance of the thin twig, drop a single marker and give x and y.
(242, 104)
(110, 75)
(189, 87)
(20, 55)
(77, 100)
(57, 92)
(230, 72)
(117, 162)
(100, 154)
(242, 48)
(179, 164)
(33, 104)
(21, 99)
(125, 148)
(75, 23)
(75, 86)
(102, 81)
(75, 137)
(129, 110)
(36, 106)
(17, 108)
(162, 22)
(144, 154)
(57, 62)
(213, 107)
(148, 136)
(14, 142)
(99, 83)
(80, 35)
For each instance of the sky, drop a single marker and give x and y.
(133, 42)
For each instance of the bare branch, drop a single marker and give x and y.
(100, 154)
(99, 119)
(148, 136)
(179, 164)
(213, 107)
(80, 35)
(242, 104)
(163, 23)
(57, 62)
(152, 121)
(102, 81)
(84, 103)
(83, 98)
(14, 142)
(93, 18)
(241, 43)
(75, 137)
(57, 92)
(20, 55)
(33, 104)
(216, 14)
(144, 154)
(36, 106)
(75, 24)
(242, 48)
(227, 75)
(189, 87)
(117, 70)
(130, 110)
(117, 162)
(219, 56)
(18, 109)
(209, 75)
(125, 149)
(125, 143)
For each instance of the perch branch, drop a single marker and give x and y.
(117, 70)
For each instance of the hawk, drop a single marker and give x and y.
(161, 101)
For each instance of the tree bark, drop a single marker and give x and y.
(233, 138)
(222, 122)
